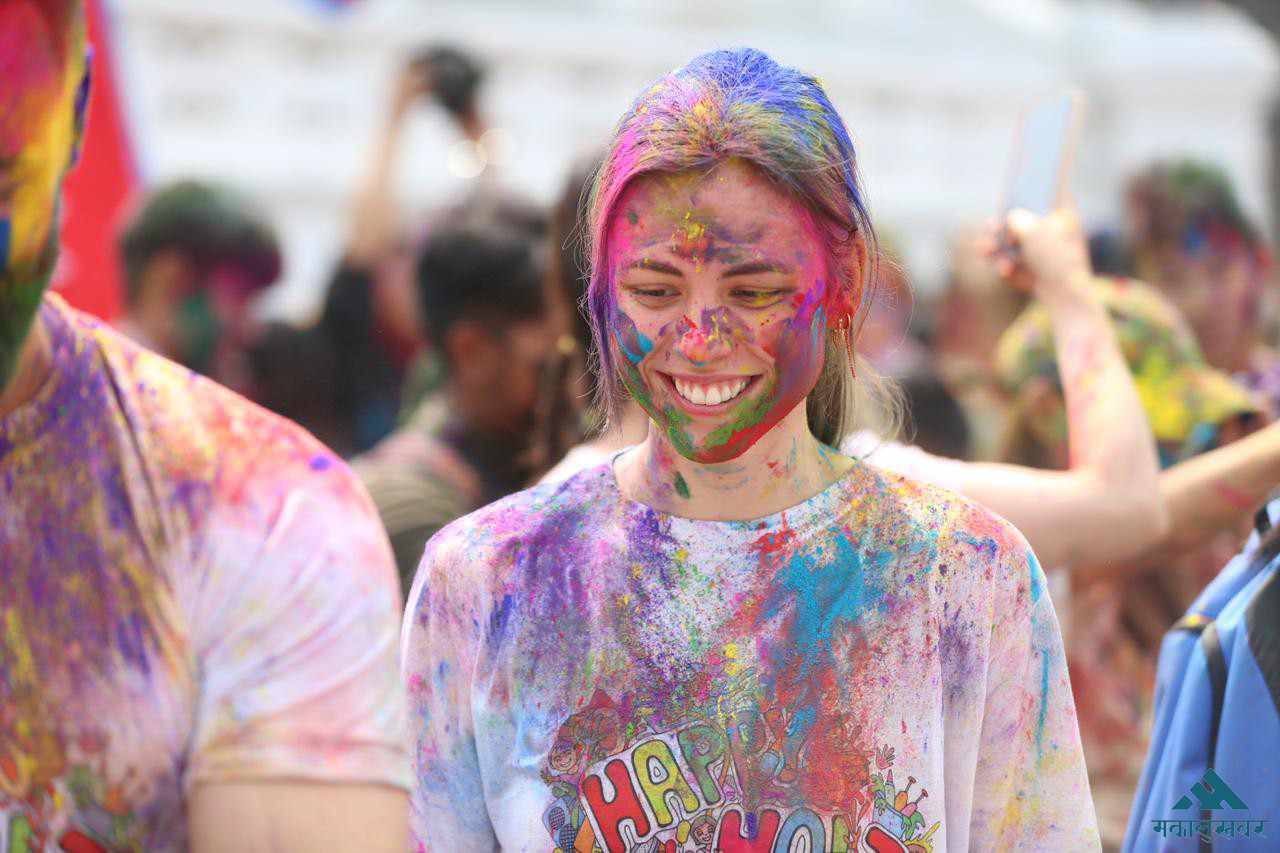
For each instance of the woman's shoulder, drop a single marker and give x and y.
(913, 516)
(559, 509)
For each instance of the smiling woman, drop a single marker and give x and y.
(732, 636)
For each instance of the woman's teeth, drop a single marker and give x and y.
(709, 394)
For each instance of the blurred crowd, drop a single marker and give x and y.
(450, 361)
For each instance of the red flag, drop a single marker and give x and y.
(97, 190)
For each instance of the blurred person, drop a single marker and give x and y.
(371, 312)
(194, 256)
(1120, 608)
(935, 421)
(199, 607)
(1192, 407)
(1189, 236)
(465, 446)
(974, 309)
(733, 613)
(291, 371)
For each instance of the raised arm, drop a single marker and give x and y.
(1107, 505)
(374, 218)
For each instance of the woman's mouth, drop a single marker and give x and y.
(707, 393)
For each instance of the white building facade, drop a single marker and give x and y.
(282, 99)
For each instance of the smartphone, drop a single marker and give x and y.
(1043, 150)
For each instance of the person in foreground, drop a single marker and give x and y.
(733, 637)
(198, 607)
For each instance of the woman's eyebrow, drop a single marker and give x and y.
(753, 267)
(651, 265)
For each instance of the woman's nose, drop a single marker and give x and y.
(706, 339)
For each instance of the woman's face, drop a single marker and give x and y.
(722, 294)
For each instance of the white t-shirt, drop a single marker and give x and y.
(192, 590)
(876, 668)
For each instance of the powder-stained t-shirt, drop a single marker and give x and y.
(192, 591)
(878, 668)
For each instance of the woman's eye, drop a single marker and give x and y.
(651, 292)
(760, 298)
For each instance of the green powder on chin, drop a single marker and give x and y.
(745, 416)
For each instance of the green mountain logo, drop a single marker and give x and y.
(1210, 793)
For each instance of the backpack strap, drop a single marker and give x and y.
(1262, 623)
(1262, 520)
(1211, 647)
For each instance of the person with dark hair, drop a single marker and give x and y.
(1190, 237)
(733, 629)
(292, 370)
(371, 310)
(198, 607)
(482, 303)
(194, 255)
(935, 421)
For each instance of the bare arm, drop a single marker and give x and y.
(1214, 491)
(298, 817)
(1107, 505)
(374, 218)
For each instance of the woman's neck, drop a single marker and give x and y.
(785, 467)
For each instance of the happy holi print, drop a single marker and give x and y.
(726, 780)
(717, 376)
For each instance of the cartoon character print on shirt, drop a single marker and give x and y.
(721, 780)
(36, 787)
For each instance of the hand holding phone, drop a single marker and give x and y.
(1044, 148)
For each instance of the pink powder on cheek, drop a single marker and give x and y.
(32, 73)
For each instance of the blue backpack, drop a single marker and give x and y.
(1212, 777)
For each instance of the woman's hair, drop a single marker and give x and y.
(741, 104)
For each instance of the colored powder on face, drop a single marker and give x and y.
(719, 330)
(778, 119)
(635, 344)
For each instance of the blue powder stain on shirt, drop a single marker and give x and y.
(1037, 578)
(822, 593)
(320, 462)
(501, 618)
(5, 230)
(1044, 702)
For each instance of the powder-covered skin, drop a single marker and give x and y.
(759, 250)
(42, 109)
(191, 590)
(878, 668)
